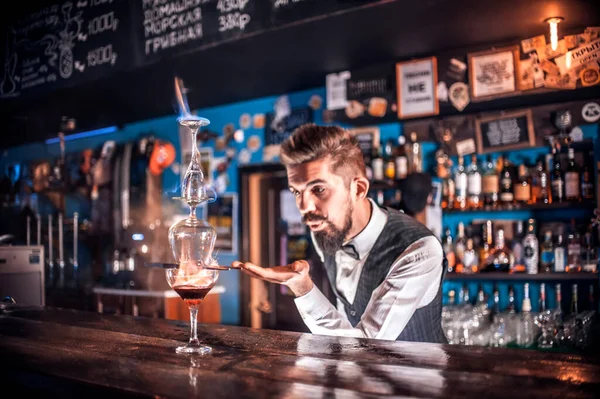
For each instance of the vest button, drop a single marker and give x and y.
(352, 313)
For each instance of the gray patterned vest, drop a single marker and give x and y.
(399, 232)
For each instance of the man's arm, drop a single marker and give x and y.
(412, 282)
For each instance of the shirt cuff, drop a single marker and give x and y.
(314, 304)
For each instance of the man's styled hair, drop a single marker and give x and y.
(311, 142)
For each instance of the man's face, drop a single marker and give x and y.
(325, 202)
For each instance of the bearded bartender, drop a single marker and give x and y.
(385, 268)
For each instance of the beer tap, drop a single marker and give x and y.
(75, 242)
(61, 259)
(39, 229)
(50, 251)
(28, 231)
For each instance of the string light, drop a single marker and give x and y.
(553, 22)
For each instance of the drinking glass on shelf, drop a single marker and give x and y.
(192, 282)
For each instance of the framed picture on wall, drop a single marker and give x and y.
(494, 72)
(505, 131)
(368, 139)
(416, 88)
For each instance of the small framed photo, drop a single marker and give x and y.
(367, 137)
(416, 88)
(494, 72)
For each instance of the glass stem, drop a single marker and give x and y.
(194, 325)
(195, 153)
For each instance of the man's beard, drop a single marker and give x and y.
(331, 238)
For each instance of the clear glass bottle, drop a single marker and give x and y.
(560, 254)
(377, 165)
(573, 250)
(511, 307)
(460, 181)
(471, 258)
(526, 327)
(542, 300)
(558, 183)
(589, 255)
(474, 184)
(448, 248)
(490, 183)
(500, 257)
(547, 253)
(531, 248)
(572, 178)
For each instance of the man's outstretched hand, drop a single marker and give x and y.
(295, 275)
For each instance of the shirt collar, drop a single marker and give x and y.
(365, 240)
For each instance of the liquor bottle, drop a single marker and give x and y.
(451, 298)
(526, 327)
(449, 251)
(587, 181)
(591, 299)
(389, 160)
(558, 184)
(460, 180)
(511, 308)
(542, 300)
(474, 184)
(517, 248)
(558, 308)
(416, 155)
(589, 256)
(471, 259)
(573, 250)
(401, 159)
(500, 257)
(572, 179)
(487, 241)
(560, 254)
(574, 305)
(547, 253)
(460, 247)
(539, 190)
(531, 248)
(466, 297)
(523, 186)
(377, 165)
(368, 167)
(507, 196)
(496, 307)
(490, 184)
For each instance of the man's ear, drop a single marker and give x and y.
(361, 187)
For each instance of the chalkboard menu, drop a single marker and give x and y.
(287, 11)
(64, 44)
(170, 27)
(276, 131)
(505, 131)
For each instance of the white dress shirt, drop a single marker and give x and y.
(411, 283)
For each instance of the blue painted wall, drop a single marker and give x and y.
(167, 128)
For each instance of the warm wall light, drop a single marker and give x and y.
(553, 22)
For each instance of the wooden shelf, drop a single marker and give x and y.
(588, 204)
(522, 276)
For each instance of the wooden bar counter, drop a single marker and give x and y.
(64, 353)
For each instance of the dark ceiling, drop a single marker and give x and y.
(291, 58)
